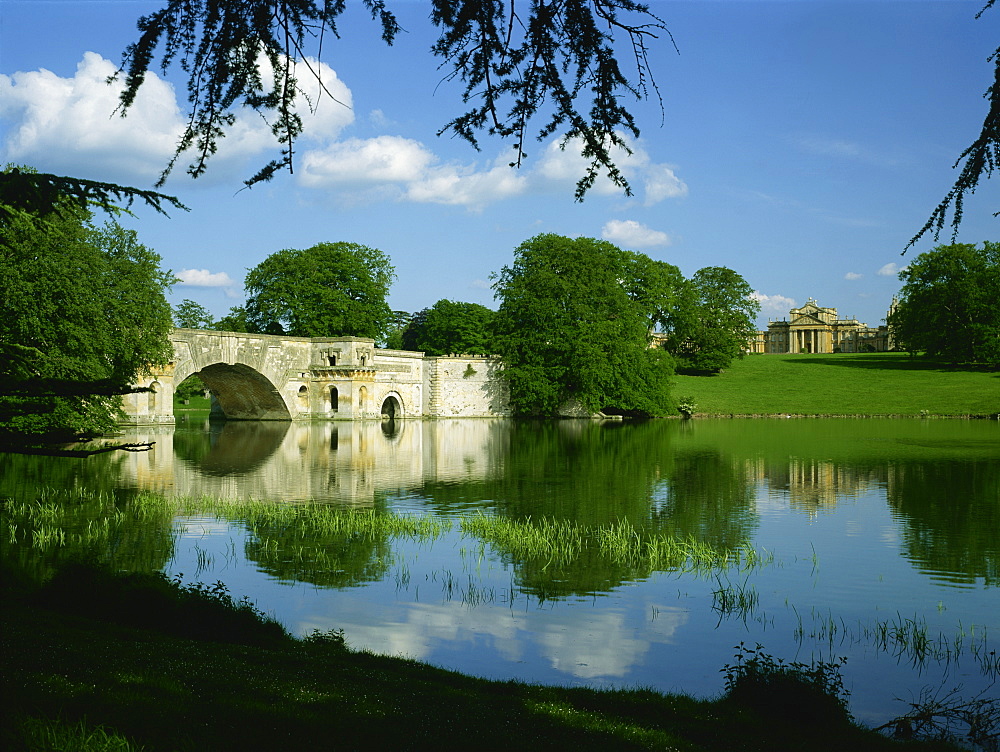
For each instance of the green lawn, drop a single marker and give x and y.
(842, 384)
(196, 404)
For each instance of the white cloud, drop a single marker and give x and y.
(773, 303)
(378, 119)
(69, 124)
(661, 183)
(204, 278)
(655, 181)
(831, 147)
(464, 186)
(632, 234)
(890, 270)
(853, 276)
(403, 169)
(386, 159)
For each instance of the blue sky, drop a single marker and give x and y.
(801, 143)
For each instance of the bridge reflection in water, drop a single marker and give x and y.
(348, 462)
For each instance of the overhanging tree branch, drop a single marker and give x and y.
(545, 62)
(981, 159)
(40, 194)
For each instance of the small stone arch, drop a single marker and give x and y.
(153, 398)
(303, 398)
(362, 399)
(392, 407)
(334, 399)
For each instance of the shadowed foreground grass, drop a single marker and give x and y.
(844, 384)
(72, 668)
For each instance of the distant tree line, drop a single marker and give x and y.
(579, 322)
(575, 324)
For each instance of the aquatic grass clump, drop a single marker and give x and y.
(624, 544)
(735, 600)
(322, 519)
(72, 516)
(561, 542)
(904, 638)
(57, 524)
(558, 542)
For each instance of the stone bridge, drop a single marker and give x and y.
(268, 377)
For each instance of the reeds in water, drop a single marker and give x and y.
(557, 542)
(75, 518)
(561, 542)
(320, 519)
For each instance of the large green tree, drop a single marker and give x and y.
(568, 330)
(451, 327)
(948, 306)
(712, 321)
(329, 290)
(84, 315)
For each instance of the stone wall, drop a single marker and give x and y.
(465, 386)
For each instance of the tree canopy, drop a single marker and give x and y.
(712, 320)
(234, 321)
(450, 327)
(192, 315)
(84, 315)
(947, 307)
(328, 290)
(518, 62)
(568, 331)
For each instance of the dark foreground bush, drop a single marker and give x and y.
(153, 601)
(806, 694)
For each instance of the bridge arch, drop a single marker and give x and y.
(242, 392)
(392, 406)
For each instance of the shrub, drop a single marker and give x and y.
(799, 693)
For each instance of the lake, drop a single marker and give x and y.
(873, 540)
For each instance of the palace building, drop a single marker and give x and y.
(815, 329)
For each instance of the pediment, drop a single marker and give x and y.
(808, 319)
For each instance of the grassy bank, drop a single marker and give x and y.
(195, 404)
(191, 670)
(844, 384)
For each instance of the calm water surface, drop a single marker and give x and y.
(880, 541)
